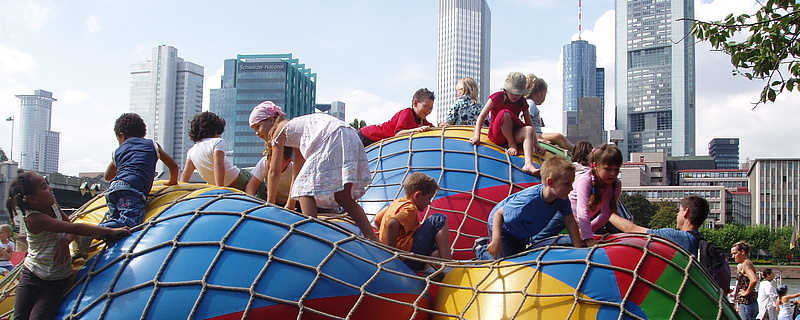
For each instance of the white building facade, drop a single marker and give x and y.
(463, 50)
(774, 189)
(167, 92)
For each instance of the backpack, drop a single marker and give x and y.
(714, 260)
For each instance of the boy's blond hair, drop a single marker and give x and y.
(7, 229)
(419, 181)
(555, 167)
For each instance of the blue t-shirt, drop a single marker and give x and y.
(136, 160)
(525, 213)
(683, 238)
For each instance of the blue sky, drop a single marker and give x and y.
(370, 54)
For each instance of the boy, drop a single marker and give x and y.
(399, 224)
(525, 214)
(284, 186)
(6, 248)
(132, 172)
(406, 121)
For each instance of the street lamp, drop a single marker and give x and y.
(12, 138)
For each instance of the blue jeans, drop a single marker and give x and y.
(425, 239)
(126, 206)
(510, 246)
(748, 311)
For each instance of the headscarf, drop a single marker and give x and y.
(264, 110)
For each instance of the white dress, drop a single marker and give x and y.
(785, 312)
(334, 157)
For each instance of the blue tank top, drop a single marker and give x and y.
(136, 163)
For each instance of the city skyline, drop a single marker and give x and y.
(373, 58)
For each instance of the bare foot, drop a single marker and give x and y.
(530, 169)
(511, 151)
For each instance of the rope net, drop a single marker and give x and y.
(214, 253)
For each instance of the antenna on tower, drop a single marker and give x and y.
(579, 20)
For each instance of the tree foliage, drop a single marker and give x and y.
(760, 237)
(780, 250)
(358, 124)
(3, 157)
(666, 216)
(771, 52)
(641, 208)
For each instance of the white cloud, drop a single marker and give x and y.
(211, 82)
(94, 24)
(33, 14)
(14, 62)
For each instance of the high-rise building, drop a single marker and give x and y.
(251, 79)
(463, 50)
(167, 92)
(655, 72)
(725, 152)
(774, 185)
(335, 108)
(39, 147)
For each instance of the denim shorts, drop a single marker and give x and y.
(126, 205)
(425, 239)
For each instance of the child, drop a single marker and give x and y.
(48, 266)
(596, 191)
(399, 224)
(132, 171)
(330, 165)
(505, 127)
(525, 214)
(538, 92)
(580, 156)
(6, 249)
(208, 154)
(467, 108)
(785, 305)
(257, 117)
(406, 121)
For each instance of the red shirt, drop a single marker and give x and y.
(499, 102)
(405, 119)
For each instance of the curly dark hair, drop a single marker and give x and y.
(204, 125)
(130, 125)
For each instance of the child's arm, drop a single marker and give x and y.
(476, 137)
(171, 165)
(607, 205)
(413, 130)
(252, 186)
(495, 247)
(407, 124)
(574, 233)
(582, 216)
(111, 171)
(188, 168)
(274, 169)
(625, 225)
(38, 222)
(526, 116)
(392, 230)
(219, 168)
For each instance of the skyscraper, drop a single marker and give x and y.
(655, 72)
(251, 79)
(167, 92)
(335, 108)
(39, 147)
(582, 79)
(463, 51)
(725, 152)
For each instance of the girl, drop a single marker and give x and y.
(208, 155)
(767, 296)
(745, 281)
(47, 266)
(785, 306)
(6, 249)
(538, 92)
(580, 156)
(467, 108)
(505, 127)
(330, 165)
(596, 191)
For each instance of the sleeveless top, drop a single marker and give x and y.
(742, 281)
(41, 248)
(136, 160)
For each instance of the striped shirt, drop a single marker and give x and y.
(41, 249)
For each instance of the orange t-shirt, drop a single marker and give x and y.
(405, 212)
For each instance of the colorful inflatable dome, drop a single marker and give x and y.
(215, 253)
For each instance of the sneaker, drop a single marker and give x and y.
(480, 242)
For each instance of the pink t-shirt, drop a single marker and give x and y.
(579, 198)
